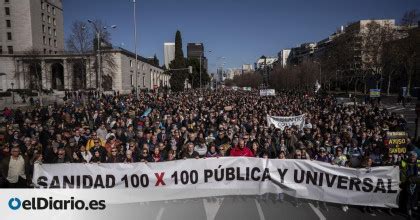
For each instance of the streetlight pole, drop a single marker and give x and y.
(98, 39)
(201, 57)
(135, 46)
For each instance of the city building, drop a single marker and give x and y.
(220, 75)
(303, 52)
(169, 53)
(30, 24)
(76, 72)
(32, 55)
(232, 72)
(196, 51)
(247, 68)
(283, 56)
(265, 61)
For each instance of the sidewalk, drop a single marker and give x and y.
(46, 100)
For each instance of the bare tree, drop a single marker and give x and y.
(80, 41)
(392, 61)
(410, 18)
(33, 58)
(84, 40)
(408, 46)
(375, 36)
(107, 56)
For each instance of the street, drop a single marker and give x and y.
(238, 207)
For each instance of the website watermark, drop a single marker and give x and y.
(42, 203)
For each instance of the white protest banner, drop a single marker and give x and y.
(267, 92)
(195, 178)
(282, 122)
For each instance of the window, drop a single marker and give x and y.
(48, 8)
(42, 5)
(44, 40)
(49, 41)
(50, 51)
(7, 10)
(131, 63)
(8, 23)
(144, 81)
(1, 50)
(131, 80)
(43, 17)
(45, 51)
(9, 35)
(49, 19)
(55, 32)
(53, 10)
(6, 1)
(10, 49)
(55, 23)
(55, 43)
(49, 30)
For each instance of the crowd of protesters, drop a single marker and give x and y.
(158, 127)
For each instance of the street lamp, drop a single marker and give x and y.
(135, 44)
(98, 38)
(13, 93)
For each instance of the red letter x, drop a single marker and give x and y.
(160, 178)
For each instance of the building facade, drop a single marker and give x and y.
(283, 56)
(31, 24)
(247, 68)
(196, 51)
(78, 72)
(265, 61)
(302, 53)
(32, 55)
(169, 53)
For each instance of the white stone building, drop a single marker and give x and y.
(37, 25)
(283, 56)
(169, 53)
(77, 72)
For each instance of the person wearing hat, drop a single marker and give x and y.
(409, 175)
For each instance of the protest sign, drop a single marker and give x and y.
(267, 92)
(375, 93)
(282, 122)
(192, 178)
(397, 142)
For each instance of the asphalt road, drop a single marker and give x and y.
(241, 208)
(407, 111)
